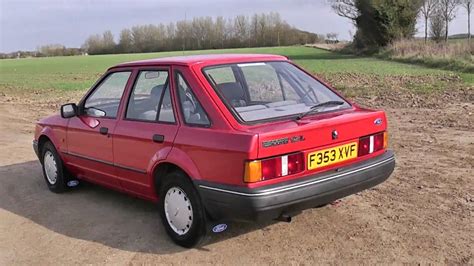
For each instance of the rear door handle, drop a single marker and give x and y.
(103, 130)
(158, 138)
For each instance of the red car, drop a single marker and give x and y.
(216, 138)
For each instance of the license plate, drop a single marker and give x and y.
(332, 155)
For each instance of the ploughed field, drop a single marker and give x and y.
(423, 213)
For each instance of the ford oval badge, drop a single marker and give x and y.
(219, 228)
(378, 121)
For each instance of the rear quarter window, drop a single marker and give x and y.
(191, 108)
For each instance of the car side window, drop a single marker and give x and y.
(150, 90)
(105, 99)
(192, 110)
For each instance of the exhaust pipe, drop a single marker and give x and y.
(284, 218)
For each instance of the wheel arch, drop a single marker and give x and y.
(50, 133)
(175, 160)
(55, 135)
(162, 169)
(41, 141)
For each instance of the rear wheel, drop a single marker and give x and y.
(53, 170)
(181, 210)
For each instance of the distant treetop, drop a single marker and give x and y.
(198, 33)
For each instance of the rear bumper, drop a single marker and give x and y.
(233, 203)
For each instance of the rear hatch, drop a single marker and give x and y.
(318, 133)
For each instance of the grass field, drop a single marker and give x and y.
(79, 72)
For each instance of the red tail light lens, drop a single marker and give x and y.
(364, 146)
(378, 141)
(373, 143)
(274, 167)
(271, 168)
(295, 163)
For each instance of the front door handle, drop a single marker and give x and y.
(104, 130)
(158, 138)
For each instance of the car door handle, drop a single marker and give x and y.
(158, 138)
(103, 130)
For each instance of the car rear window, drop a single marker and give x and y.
(262, 91)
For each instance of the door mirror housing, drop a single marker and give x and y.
(68, 110)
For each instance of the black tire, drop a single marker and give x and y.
(60, 184)
(197, 229)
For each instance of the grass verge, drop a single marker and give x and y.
(455, 56)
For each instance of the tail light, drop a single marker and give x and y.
(274, 167)
(373, 143)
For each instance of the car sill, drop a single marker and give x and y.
(105, 162)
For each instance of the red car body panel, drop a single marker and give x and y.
(126, 158)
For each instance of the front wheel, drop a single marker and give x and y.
(182, 213)
(53, 170)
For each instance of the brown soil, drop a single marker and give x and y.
(422, 214)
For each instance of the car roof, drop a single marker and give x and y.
(208, 59)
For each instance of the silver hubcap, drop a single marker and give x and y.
(50, 167)
(178, 210)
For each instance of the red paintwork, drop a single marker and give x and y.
(215, 154)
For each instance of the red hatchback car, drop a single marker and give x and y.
(216, 138)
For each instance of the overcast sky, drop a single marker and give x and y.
(27, 24)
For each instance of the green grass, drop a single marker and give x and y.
(80, 72)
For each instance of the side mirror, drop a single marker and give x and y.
(68, 110)
(94, 112)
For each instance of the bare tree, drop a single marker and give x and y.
(467, 4)
(182, 31)
(448, 12)
(262, 28)
(346, 9)
(254, 28)
(274, 27)
(426, 11)
(108, 43)
(125, 41)
(437, 27)
(219, 30)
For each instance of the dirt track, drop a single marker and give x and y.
(423, 213)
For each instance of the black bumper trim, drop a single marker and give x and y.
(290, 187)
(236, 203)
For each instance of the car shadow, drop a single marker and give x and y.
(93, 213)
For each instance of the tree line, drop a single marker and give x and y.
(380, 22)
(44, 51)
(258, 30)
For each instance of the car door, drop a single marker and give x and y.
(90, 134)
(146, 132)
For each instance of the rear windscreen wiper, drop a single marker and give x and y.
(315, 108)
